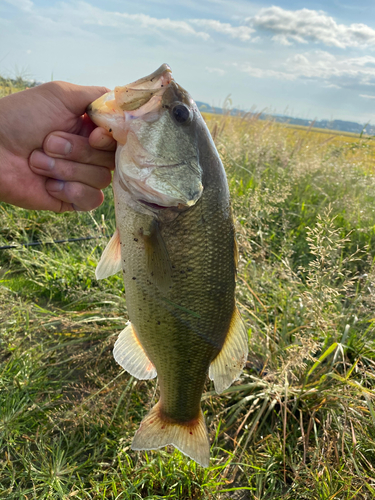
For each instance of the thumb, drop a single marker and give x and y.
(76, 98)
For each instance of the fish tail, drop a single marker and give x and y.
(191, 438)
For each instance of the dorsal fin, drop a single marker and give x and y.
(228, 364)
(110, 261)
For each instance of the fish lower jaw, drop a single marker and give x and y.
(151, 199)
(154, 206)
(157, 208)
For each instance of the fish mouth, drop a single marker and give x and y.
(131, 113)
(149, 194)
(135, 95)
(157, 193)
(135, 100)
(153, 206)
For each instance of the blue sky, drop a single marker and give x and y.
(308, 59)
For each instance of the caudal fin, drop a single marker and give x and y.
(190, 438)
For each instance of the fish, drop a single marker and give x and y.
(175, 244)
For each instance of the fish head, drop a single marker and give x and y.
(156, 125)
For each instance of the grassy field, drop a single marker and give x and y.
(11, 85)
(299, 425)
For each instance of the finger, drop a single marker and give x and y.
(76, 148)
(75, 97)
(75, 194)
(100, 138)
(65, 170)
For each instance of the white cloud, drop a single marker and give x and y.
(281, 40)
(21, 4)
(367, 96)
(241, 32)
(85, 14)
(363, 61)
(323, 65)
(91, 15)
(163, 24)
(217, 71)
(311, 25)
(330, 71)
(265, 73)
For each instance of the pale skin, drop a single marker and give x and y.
(52, 157)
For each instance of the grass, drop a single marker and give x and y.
(299, 425)
(11, 85)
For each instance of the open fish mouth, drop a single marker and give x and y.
(113, 109)
(137, 94)
(152, 121)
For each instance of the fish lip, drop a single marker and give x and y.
(153, 206)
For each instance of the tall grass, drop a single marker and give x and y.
(11, 85)
(300, 422)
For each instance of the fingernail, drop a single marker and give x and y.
(41, 160)
(54, 185)
(58, 145)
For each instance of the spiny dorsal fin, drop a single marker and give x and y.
(158, 264)
(129, 353)
(190, 438)
(228, 364)
(110, 261)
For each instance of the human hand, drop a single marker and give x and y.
(66, 176)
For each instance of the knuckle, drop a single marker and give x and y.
(68, 170)
(55, 87)
(82, 151)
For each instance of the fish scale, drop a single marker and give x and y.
(163, 328)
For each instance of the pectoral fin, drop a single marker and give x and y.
(110, 261)
(129, 353)
(228, 364)
(158, 264)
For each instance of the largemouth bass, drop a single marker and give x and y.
(175, 244)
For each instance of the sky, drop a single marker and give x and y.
(312, 60)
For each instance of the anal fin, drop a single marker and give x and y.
(229, 363)
(110, 261)
(129, 353)
(190, 438)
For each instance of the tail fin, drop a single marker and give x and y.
(190, 438)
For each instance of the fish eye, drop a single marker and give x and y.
(181, 113)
